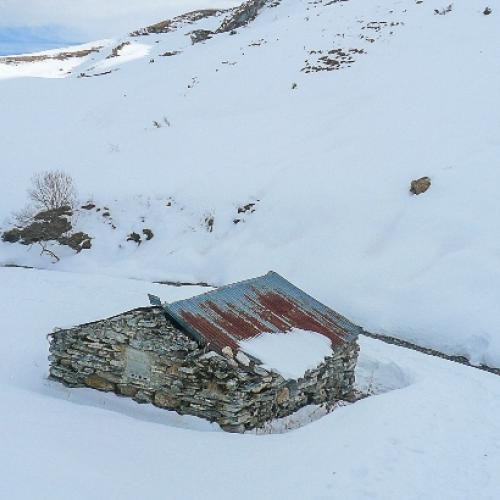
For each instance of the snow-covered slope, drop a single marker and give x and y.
(430, 431)
(179, 143)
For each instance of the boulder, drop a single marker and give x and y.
(198, 36)
(420, 186)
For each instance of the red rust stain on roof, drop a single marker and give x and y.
(210, 331)
(266, 312)
(236, 322)
(299, 317)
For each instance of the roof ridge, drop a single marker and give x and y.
(226, 287)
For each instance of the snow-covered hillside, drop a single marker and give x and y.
(287, 144)
(179, 137)
(432, 429)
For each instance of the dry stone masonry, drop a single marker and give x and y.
(141, 354)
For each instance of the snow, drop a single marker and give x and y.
(289, 353)
(432, 429)
(128, 53)
(49, 68)
(327, 163)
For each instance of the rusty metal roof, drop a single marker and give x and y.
(264, 305)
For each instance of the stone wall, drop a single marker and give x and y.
(140, 354)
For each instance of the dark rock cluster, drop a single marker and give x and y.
(50, 225)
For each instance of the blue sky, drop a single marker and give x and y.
(33, 25)
(21, 39)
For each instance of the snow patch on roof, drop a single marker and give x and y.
(292, 353)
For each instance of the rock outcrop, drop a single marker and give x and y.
(49, 225)
(244, 14)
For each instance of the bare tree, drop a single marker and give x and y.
(45, 250)
(53, 189)
(24, 216)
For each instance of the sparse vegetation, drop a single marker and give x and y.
(49, 190)
(444, 11)
(160, 124)
(209, 222)
(52, 190)
(116, 50)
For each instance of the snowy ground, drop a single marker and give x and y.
(315, 167)
(432, 431)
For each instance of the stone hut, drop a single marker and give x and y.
(239, 355)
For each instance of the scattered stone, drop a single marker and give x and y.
(250, 207)
(331, 60)
(228, 352)
(487, 11)
(209, 223)
(170, 53)
(242, 358)
(77, 241)
(89, 206)
(198, 36)
(420, 186)
(148, 233)
(136, 238)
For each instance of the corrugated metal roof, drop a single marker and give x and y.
(268, 304)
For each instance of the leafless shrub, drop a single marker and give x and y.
(209, 222)
(53, 189)
(45, 250)
(444, 11)
(158, 124)
(24, 216)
